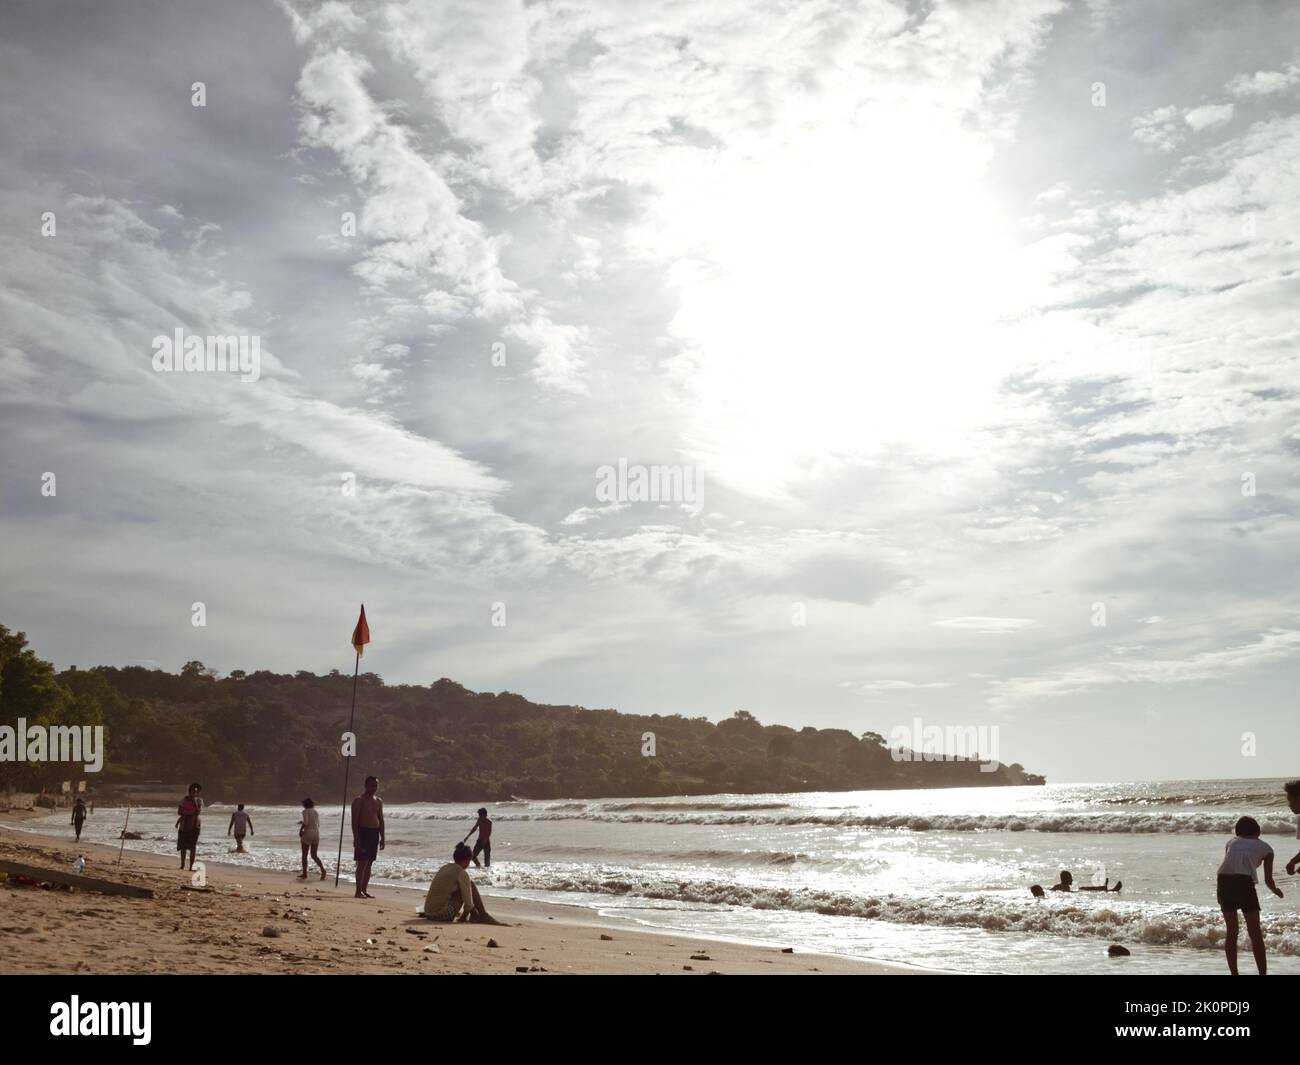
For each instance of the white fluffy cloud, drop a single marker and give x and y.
(945, 404)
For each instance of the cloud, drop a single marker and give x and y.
(1265, 82)
(418, 242)
(880, 687)
(1208, 116)
(1269, 648)
(992, 626)
(937, 361)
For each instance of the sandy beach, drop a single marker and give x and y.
(321, 929)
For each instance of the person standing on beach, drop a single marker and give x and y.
(309, 836)
(483, 827)
(367, 833)
(1293, 801)
(453, 892)
(1242, 855)
(78, 816)
(188, 823)
(240, 822)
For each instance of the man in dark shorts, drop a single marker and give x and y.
(483, 844)
(367, 833)
(188, 823)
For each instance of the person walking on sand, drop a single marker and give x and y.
(453, 892)
(78, 816)
(188, 823)
(1242, 855)
(367, 833)
(483, 826)
(309, 837)
(1293, 801)
(240, 822)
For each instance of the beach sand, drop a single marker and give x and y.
(325, 930)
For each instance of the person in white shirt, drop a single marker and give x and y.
(1293, 801)
(1242, 855)
(309, 837)
(240, 823)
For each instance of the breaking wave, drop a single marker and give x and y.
(1127, 822)
(1192, 927)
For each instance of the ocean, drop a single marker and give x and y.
(930, 878)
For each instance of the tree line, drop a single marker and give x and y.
(272, 737)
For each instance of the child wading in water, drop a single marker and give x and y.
(1242, 855)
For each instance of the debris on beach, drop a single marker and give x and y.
(700, 957)
(271, 932)
(493, 943)
(608, 939)
(1115, 950)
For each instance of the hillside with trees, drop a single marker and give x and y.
(270, 737)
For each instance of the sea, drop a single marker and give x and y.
(929, 878)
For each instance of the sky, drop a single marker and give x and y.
(964, 335)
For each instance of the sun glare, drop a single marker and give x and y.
(851, 298)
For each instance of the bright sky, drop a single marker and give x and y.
(977, 322)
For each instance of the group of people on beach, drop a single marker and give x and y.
(1235, 888)
(450, 894)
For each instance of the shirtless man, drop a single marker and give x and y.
(483, 826)
(367, 833)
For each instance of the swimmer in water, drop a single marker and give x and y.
(1066, 883)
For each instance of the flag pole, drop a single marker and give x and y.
(347, 766)
(124, 828)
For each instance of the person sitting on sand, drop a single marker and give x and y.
(188, 823)
(1293, 801)
(367, 833)
(1242, 855)
(78, 815)
(452, 892)
(483, 827)
(309, 837)
(240, 822)
(1066, 883)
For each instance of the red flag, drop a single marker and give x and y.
(361, 634)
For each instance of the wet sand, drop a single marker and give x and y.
(323, 929)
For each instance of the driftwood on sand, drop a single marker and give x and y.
(88, 883)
